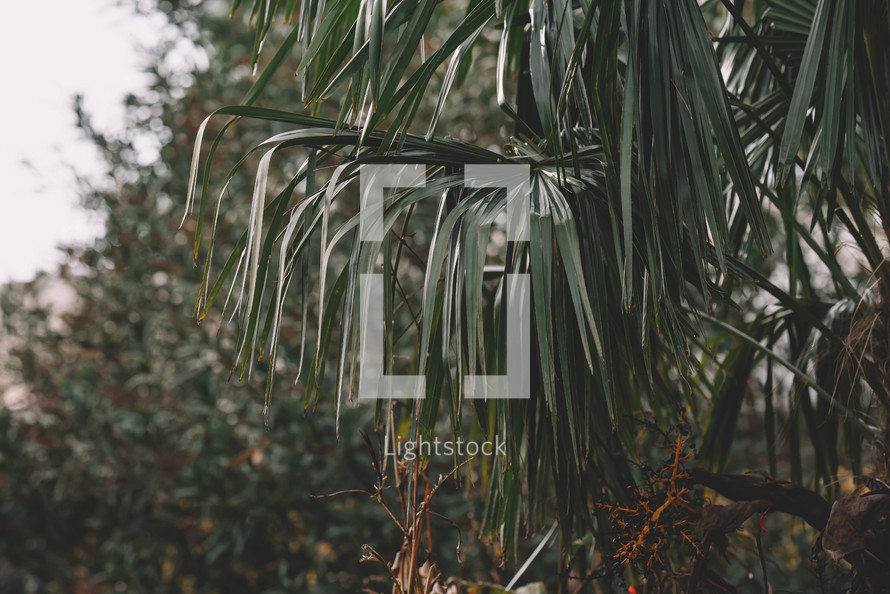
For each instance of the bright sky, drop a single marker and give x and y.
(88, 47)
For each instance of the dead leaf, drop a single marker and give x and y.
(721, 519)
(850, 518)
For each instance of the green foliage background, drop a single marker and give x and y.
(136, 466)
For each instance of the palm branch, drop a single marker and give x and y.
(666, 159)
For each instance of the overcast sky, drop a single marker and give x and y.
(52, 52)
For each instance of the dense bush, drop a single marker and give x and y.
(131, 464)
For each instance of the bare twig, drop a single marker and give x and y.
(759, 530)
(375, 556)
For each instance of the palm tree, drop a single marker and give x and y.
(681, 155)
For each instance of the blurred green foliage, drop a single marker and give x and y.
(133, 465)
